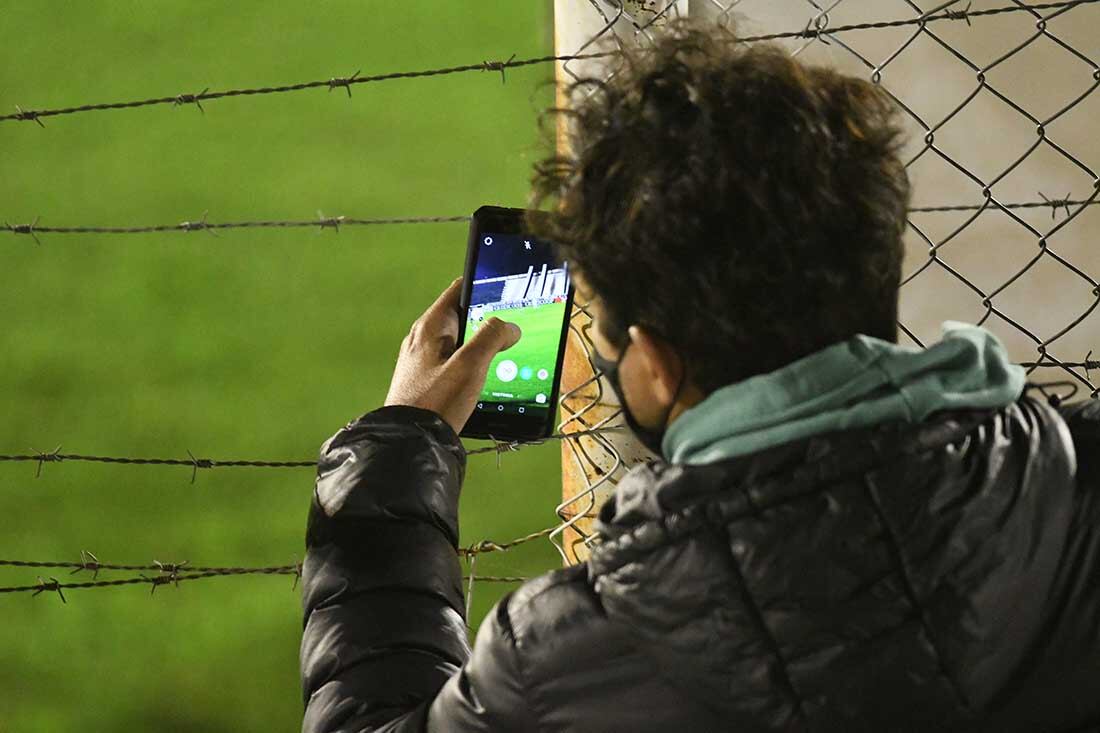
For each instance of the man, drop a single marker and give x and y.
(842, 534)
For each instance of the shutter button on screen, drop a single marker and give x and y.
(506, 370)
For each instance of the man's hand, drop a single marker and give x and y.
(431, 374)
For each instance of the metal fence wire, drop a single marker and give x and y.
(1000, 105)
(1000, 100)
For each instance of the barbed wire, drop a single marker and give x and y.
(322, 222)
(331, 83)
(195, 463)
(498, 447)
(484, 546)
(89, 562)
(56, 456)
(811, 31)
(177, 572)
(1055, 205)
(335, 222)
(52, 584)
(500, 578)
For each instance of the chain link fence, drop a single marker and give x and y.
(1000, 108)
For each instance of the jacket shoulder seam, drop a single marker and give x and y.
(911, 595)
(530, 691)
(772, 642)
(574, 578)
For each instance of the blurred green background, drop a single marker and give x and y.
(252, 344)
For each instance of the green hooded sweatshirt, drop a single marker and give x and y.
(856, 383)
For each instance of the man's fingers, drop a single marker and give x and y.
(444, 311)
(492, 337)
(440, 321)
(447, 302)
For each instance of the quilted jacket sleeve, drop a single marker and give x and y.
(1083, 419)
(384, 627)
(1067, 661)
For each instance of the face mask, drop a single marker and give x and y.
(649, 437)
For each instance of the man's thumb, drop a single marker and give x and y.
(492, 337)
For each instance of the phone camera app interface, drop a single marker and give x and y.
(517, 279)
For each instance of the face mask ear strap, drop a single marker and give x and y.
(683, 369)
(683, 378)
(679, 384)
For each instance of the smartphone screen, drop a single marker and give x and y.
(516, 277)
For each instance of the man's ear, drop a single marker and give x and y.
(662, 366)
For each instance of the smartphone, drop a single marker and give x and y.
(516, 277)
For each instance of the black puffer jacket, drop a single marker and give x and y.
(937, 577)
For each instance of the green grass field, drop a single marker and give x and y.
(537, 349)
(255, 343)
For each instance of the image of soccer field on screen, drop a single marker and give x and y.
(517, 280)
(518, 375)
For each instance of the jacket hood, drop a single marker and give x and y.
(856, 383)
(785, 585)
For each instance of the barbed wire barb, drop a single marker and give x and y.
(197, 463)
(158, 580)
(53, 585)
(27, 115)
(192, 226)
(501, 446)
(343, 81)
(481, 546)
(963, 14)
(470, 559)
(25, 229)
(498, 66)
(1056, 204)
(815, 28)
(88, 561)
(297, 575)
(328, 221)
(53, 456)
(195, 99)
(171, 568)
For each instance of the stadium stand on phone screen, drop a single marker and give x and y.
(517, 279)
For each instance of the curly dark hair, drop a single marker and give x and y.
(745, 207)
